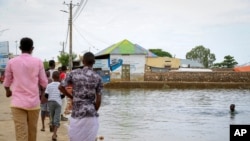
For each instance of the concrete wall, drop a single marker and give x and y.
(223, 76)
(137, 67)
(162, 62)
(222, 69)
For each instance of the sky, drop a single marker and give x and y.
(175, 26)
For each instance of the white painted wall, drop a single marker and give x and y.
(137, 66)
(137, 62)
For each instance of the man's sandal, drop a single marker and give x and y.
(43, 129)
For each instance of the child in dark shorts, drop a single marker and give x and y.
(44, 104)
(44, 113)
(55, 103)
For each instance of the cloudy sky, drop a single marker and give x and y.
(175, 26)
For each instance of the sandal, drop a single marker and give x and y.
(54, 138)
(43, 129)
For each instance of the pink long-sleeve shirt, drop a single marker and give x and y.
(24, 74)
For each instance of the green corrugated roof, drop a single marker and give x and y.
(123, 47)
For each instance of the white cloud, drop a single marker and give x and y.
(175, 26)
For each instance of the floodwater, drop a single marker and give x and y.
(171, 115)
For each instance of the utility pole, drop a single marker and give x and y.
(70, 34)
(70, 37)
(63, 48)
(16, 48)
(62, 51)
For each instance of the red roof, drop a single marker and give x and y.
(242, 69)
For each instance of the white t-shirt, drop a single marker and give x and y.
(51, 72)
(53, 92)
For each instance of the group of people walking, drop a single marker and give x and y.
(52, 100)
(31, 88)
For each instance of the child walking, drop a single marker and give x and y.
(54, 101)
(44, 104)
(44, 110)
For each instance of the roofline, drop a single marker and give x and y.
(103, 56)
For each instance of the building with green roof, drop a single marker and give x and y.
(125, 60)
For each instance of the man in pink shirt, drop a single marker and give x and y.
(23, 77)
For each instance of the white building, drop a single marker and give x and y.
(125, 61)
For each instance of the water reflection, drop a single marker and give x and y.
(232, 115)
(177, 115)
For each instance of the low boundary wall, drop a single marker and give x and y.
(188, 80)
(199, 77)
(175, 85)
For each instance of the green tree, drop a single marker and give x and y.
(229, 62)
(217, 65)
(161, 53)
(202, 55)
(46, 64)
(64, 58)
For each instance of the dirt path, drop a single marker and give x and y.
(7, 131)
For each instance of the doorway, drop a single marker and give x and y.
(126, 72)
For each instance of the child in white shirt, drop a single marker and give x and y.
(54, 101)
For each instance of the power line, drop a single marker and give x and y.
(79, 10)
(66, 40)
(1, 31)
(85, 39)
(97, 38)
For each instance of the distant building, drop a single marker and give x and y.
(187, 63)
(242, 68)
(161, 64)
(125, 60)
(4, 54)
